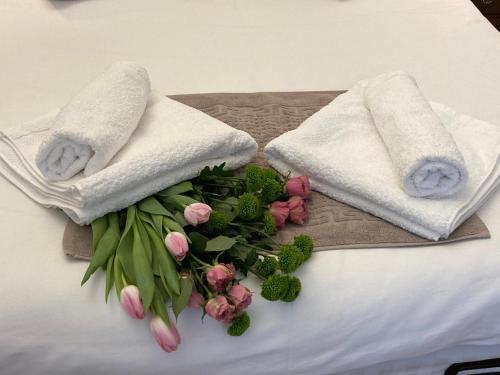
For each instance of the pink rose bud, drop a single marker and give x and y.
(166, 336)
(177, 245)
(197, 213)
(131, 301)
(220, 275)
(280, 212)
(196, 299)
(299, 186)
(220, 309)
(240, 296)
(298, 210)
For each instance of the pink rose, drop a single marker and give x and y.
(220, 309)
(166, 336)
(177, 245)
(196, 299)
(197, 213)
(280, 212)
(299, 186)
(298, 210)
(220, 275)
(131, 301)
(240, 296)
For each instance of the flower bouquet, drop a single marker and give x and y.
(193, 243)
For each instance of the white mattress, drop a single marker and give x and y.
(358, 307)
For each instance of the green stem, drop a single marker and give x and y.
(200, 281)
(199, 260)
(258, 231)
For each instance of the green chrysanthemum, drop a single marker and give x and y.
(269, 174)
(218, 222)
(275, 287)
(271, 191)
(267, 266)
(240, 324)
(249, 207)
(253, 178)
(294, 287)
(269, 223)
(290, 258)
(305, 244)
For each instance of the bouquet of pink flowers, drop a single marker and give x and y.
(185, 245)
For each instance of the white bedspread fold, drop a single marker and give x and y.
(172, 143)
(340, 148)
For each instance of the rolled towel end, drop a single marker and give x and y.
(436, 177)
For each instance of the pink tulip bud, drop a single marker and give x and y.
(298, 210)
(196, 299)
(131, 301)
(299, 186)
(240, 296)
(166, 336)
(220, 275)
(197, 213)
(177, 245)
(220, 309)
(280, 212)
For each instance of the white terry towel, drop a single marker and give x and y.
(96, 123)
(424, 152)
(340, 149)
(172, 143)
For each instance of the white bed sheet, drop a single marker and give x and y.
(358, 307)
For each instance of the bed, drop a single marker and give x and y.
(364, 311)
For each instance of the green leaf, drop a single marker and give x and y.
(174, 226)
(109, 276)
(144, 239)
(179, 217)
(163, 263)
(99, 227)
(105, 248)
(118, 275)
(158, 224)
(181, 188)
(178, 201)
(143, 271)
(181, 301)
(124, 254)
(159, 305)
(198, 242)
(245, 255)
(220, 243)
(131, 213)
(152, 206)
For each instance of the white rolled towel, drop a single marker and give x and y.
(96, 123)
(424, 152)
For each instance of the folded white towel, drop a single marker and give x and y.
(340, 149)
(172, 143)
(428, 160)
(96, 123)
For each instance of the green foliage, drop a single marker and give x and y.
(218, 222)
(249, 207)
(253, 178)
(275, 287)
(269, 174)
(269, 223)
(267, 266)
(294, 287)
(271, 190)
(305, 244)
(240, 324)
(220, 243)
(290, 257)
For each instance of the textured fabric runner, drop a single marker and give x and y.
(332, 225)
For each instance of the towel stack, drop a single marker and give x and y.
(383, 148)
(114, 144)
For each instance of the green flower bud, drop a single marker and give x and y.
(249, 207)
(269, 223)
(253, 178)
(305, 244)
(267, 266)
(275, 287)
(294, 287)
(240, 324)
(218, 222)
(271, 191)
(290, 258)
(269, 174)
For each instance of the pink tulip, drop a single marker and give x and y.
(131, 301)
(177, 245)
(220, 309)
(220, 275)
(299, 186)
(166, 336)
(298, 210)
(240, 296)
(197, 213)
(280, 212)
(196, 299)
